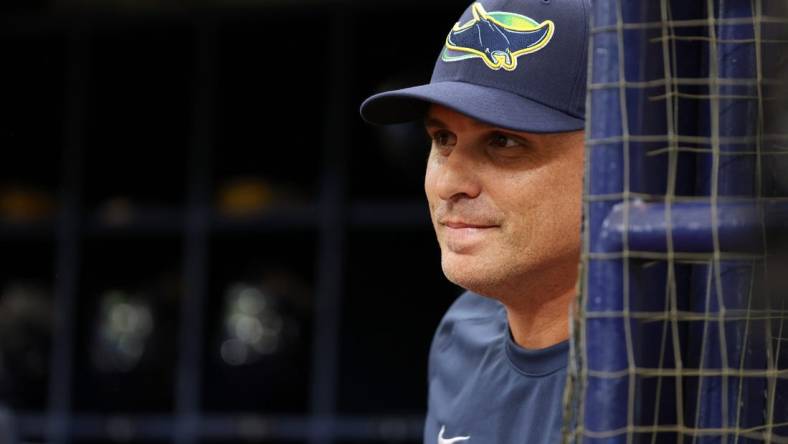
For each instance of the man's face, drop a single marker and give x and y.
(505, 205)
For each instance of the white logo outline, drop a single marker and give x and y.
(442, 440)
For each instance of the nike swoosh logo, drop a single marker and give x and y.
(442, 440)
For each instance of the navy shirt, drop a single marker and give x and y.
(486, 389)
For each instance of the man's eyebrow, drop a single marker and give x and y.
(432, 122)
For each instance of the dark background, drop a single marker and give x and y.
(164, 152)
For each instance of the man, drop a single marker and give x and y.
(505, 112)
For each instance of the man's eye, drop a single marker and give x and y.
(503, 141)
(443, 138)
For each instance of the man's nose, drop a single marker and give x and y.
(457, 175)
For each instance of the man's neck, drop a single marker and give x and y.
(538, 309)
(542, 324)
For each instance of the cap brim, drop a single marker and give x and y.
(488, 105)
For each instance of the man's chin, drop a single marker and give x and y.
(486, 275)
(467, 271)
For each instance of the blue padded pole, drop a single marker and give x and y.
(620, 166)
(605, 404)
(729, 117)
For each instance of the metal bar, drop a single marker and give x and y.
(240, 426)
(408, 214)
(195, 249)
(67, 262)
(330, 266)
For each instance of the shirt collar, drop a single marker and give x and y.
(536, 362)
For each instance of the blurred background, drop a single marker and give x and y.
(200, 240)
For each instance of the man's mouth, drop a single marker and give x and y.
(463, 224)
(464, 237)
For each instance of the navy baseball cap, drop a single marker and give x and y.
(516, 64)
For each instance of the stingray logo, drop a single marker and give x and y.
(498, 38)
